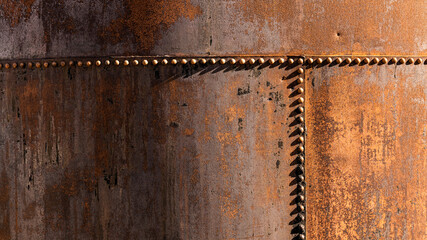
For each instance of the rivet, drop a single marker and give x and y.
(54, 64)
(300, 70)
(300, 90)
(62, 63)
(184, 61)
(301, 139)
(300, 198)
(301, 217)
(203, 61)
(212, 60)
(300, 119)
(319, 60)
(30, 64)
(339, 60)
(300, 61)
(261, 60)
(7, 66)
(291, 60)
(98, 63)
(107, 62)
(329, 60)
(393, 60)
(301, 130)
(300, 149)
(410, 61)
(347, 60)
(14, 65)
(164, 61)
(300, 227)
(242, 61)
(384, 60)
(70, 63)
(233, 61)
(301, 188)
(300, 80)
(155, 62)
(135, 62)
(145, 62)
(45, 64)
(418, 61)
(301, 237)
(174, 62)
(21, 65)
(117, 62)
(38, 65)
(301, 178)
(281, 60)
(126, 63)
(222, 61)
(300, 100)
(301, 159)
(193, 61)
(251, 61)
(375, 60)
(88, 63)
(310, 60)
(300, 109)
(366, 60)
(1, 66)
(357, 60)
(401, 61)
(271, 60)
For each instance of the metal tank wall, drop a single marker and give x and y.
(199, 119)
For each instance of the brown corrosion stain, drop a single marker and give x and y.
(14, 11)
(272, 11)
(146, 19)
(4, 206)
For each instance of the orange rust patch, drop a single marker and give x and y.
(14, 11)
(147, 18)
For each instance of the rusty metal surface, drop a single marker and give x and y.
(52, 28)
(158, 152)
(366, 152)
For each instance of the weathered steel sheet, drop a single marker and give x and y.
(53, 28)
(366, 152)
(156, 152)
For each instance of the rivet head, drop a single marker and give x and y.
(300, 149)
(271, 60)
(300, 100)
(1, 66)
(30, 64)
(203, 61)
(155, 62)
(300, 109)
(117, 62)
(88, 63)
(300, 70)
(301, 139)
(193, 61)
(174, 62)
(410, 61)
(301, 237)
(300, 198)
(310, 60)
(212, 60)
(126, 63)
(357, 60)
(375, 60)
(233, 61)
(98, 63)
(21, 65)
(7, 66)
(38, 65)
(145, 62)
(242, 61)
(393, 60)
(300, 159)
(384, 60)
(164, 61)
(281, 60)
(339, 60)
(300, 61)
(45, 64)
(184, 61)
(135, 62)
(251, 61)
(14, 65)
(300, 119)
(347, 60)
(222, 61)
(401, 61)
(291, 60)
(261, 60)
(54, 64)
(301, 188)
(418, 61)
(300, 90)
(62, 63)
(301, 217)
(329, 60)
(319, 60)
(107, 62)
(301, 130)
(300, 80)
(70, 63)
